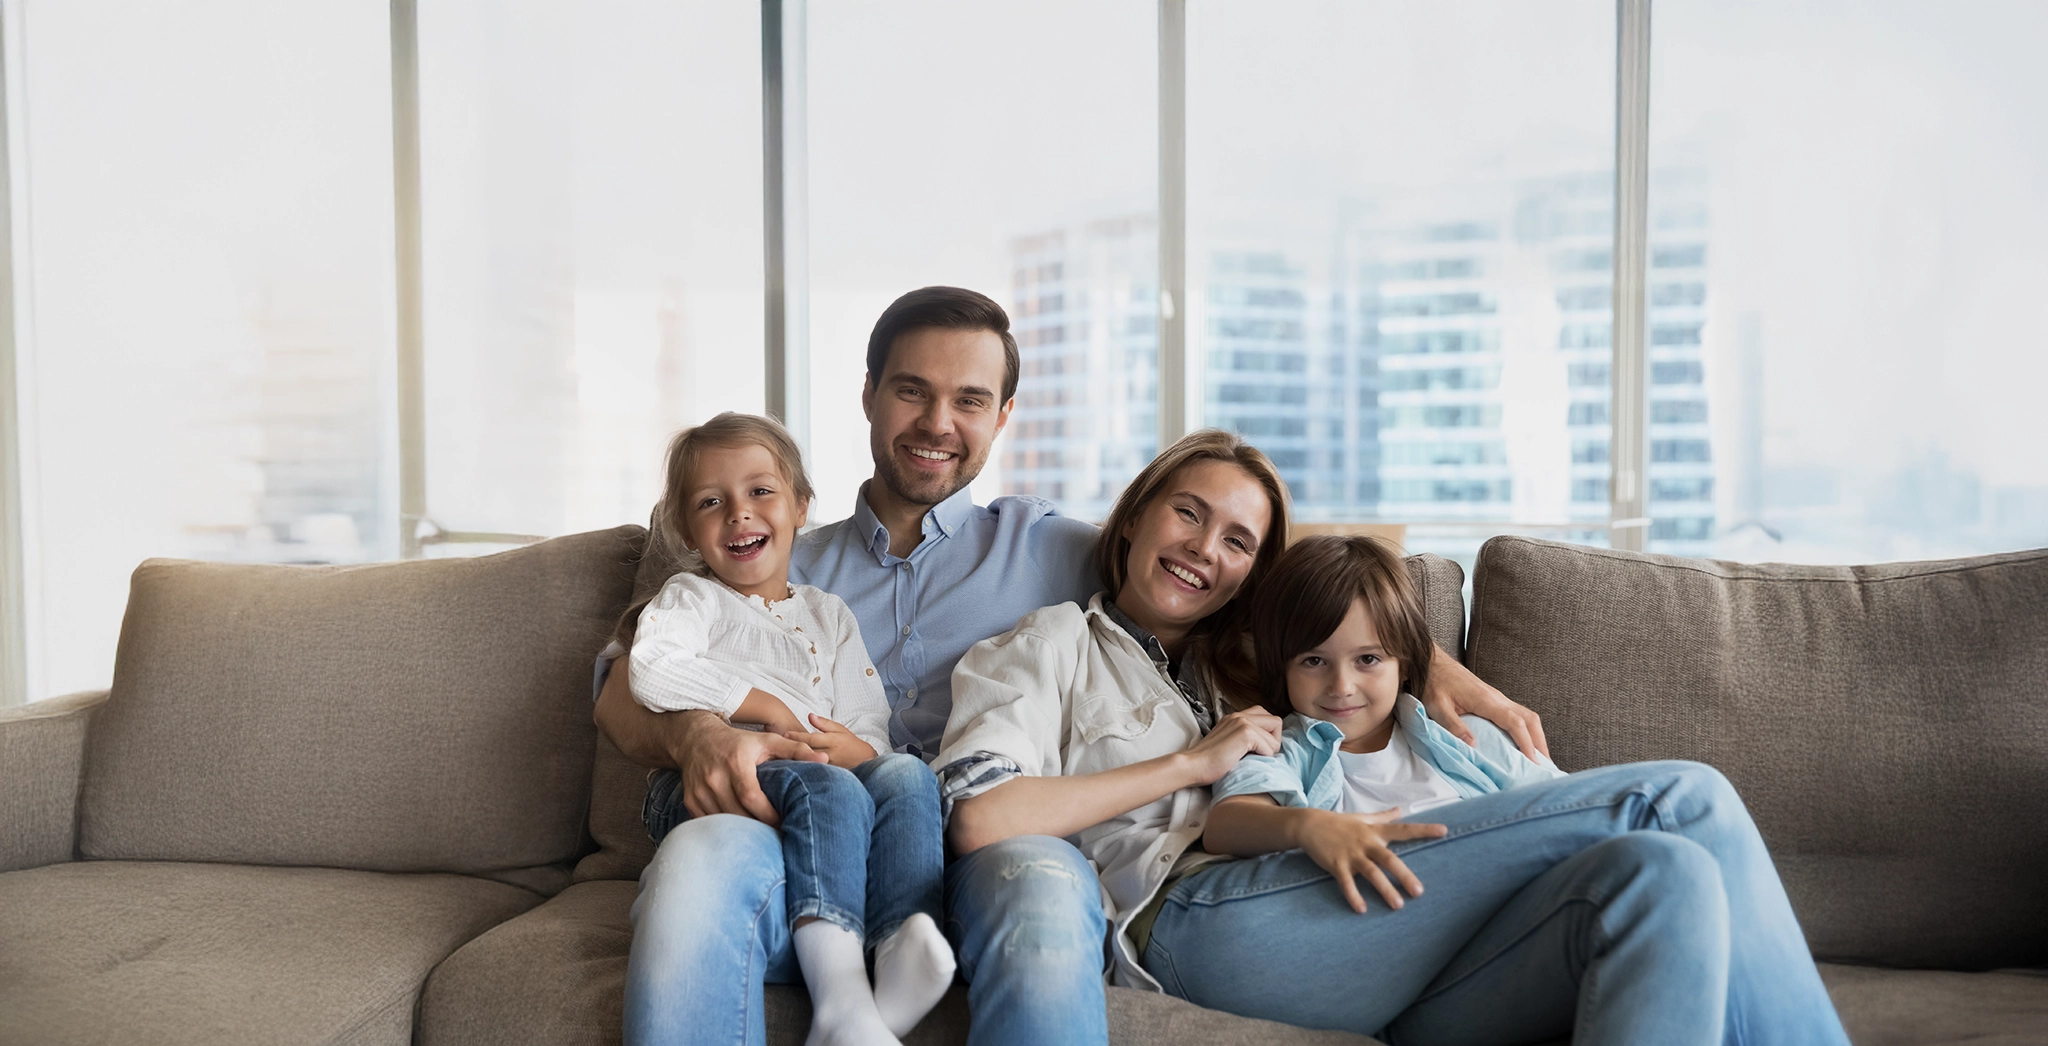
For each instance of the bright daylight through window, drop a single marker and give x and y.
(1399, 237)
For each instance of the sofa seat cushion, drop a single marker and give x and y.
(219, 954)
(1887, 725)
(1939, 1008)
(557, 974)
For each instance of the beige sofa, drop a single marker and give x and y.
(367, 804)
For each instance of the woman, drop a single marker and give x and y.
(1085, 737)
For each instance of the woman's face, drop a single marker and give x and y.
(1193, 546)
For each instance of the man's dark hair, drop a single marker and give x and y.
(949, 308)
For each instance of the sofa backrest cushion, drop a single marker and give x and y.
(404, 717)
(618, 786)
(1887, 725)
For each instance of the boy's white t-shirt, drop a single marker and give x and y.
(701, 646)
(1394, 776)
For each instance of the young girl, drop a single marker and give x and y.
(1342, 642)
(734, 637)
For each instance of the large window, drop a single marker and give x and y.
(591, 214)
(1851, 242)
(1008, 148)
(1384, 240)
(203, 259)
(1400, 245)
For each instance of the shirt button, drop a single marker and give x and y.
(912, 692)
(906, 630)
(906, 566)
(814, 648)
(871, 671)
(814, 679)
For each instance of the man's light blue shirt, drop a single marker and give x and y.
(978, 569)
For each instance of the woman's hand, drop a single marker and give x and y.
(1253, 731)
(841, 747)
(1351, 845)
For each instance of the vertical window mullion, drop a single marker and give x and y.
(13, 586)
(1627, 444)
(784, 229)
(412, 375)
(1173, 221)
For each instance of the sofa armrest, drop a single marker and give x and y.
(42, 759)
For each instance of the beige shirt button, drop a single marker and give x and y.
(871, 671)
(816, 678)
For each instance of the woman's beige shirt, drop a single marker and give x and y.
(1068, 692)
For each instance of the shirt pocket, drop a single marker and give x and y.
(1112, 716)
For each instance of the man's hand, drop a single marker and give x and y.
(1237, 735)
(1351, 845)
(718, 761)
(1455, 691)
(841, 747)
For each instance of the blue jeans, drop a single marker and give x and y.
(1627, 904)
(859, 848)
(1025, 916)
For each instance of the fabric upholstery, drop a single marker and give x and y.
(617, 784)
(1887, 725)
(1441, 583)
(1939, 1008)
(220, 955)
(422, 716)
(556, 975)
(42, 754)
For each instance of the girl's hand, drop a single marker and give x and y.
(841, 747)
(1351, 845)
(1253, 731)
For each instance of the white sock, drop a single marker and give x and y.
(913, 969)
(836, 971)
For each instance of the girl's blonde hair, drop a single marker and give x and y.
(1310, 591)
(1223, 634)
(665, 542)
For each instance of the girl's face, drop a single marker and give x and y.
(740, 515)
(1348, 680)
(1193, 546)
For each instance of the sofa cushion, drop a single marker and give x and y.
(1939, 1008)
(1887, 725)
(123, 951)
(556, 976)
(1441, 584)
(422, 716)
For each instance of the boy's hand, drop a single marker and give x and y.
(839, 744)
(1351, 845)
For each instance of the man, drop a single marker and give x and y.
(928, 574)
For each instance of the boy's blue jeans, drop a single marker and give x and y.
(1625, 904)
(861, 848)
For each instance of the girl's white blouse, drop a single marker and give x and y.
(702, 646)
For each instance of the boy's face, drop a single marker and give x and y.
(1348, 680)
(740, 515)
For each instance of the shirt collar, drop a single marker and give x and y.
(942, 521)
(1145, 638)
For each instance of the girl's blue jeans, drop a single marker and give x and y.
(1627, 904)
(861, 848)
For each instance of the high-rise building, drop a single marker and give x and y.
(1084, 304)
(1448, 360)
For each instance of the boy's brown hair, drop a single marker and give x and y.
(1308, 593)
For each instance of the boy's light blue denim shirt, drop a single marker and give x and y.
(1308, 773)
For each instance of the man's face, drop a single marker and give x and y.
(936, 411)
